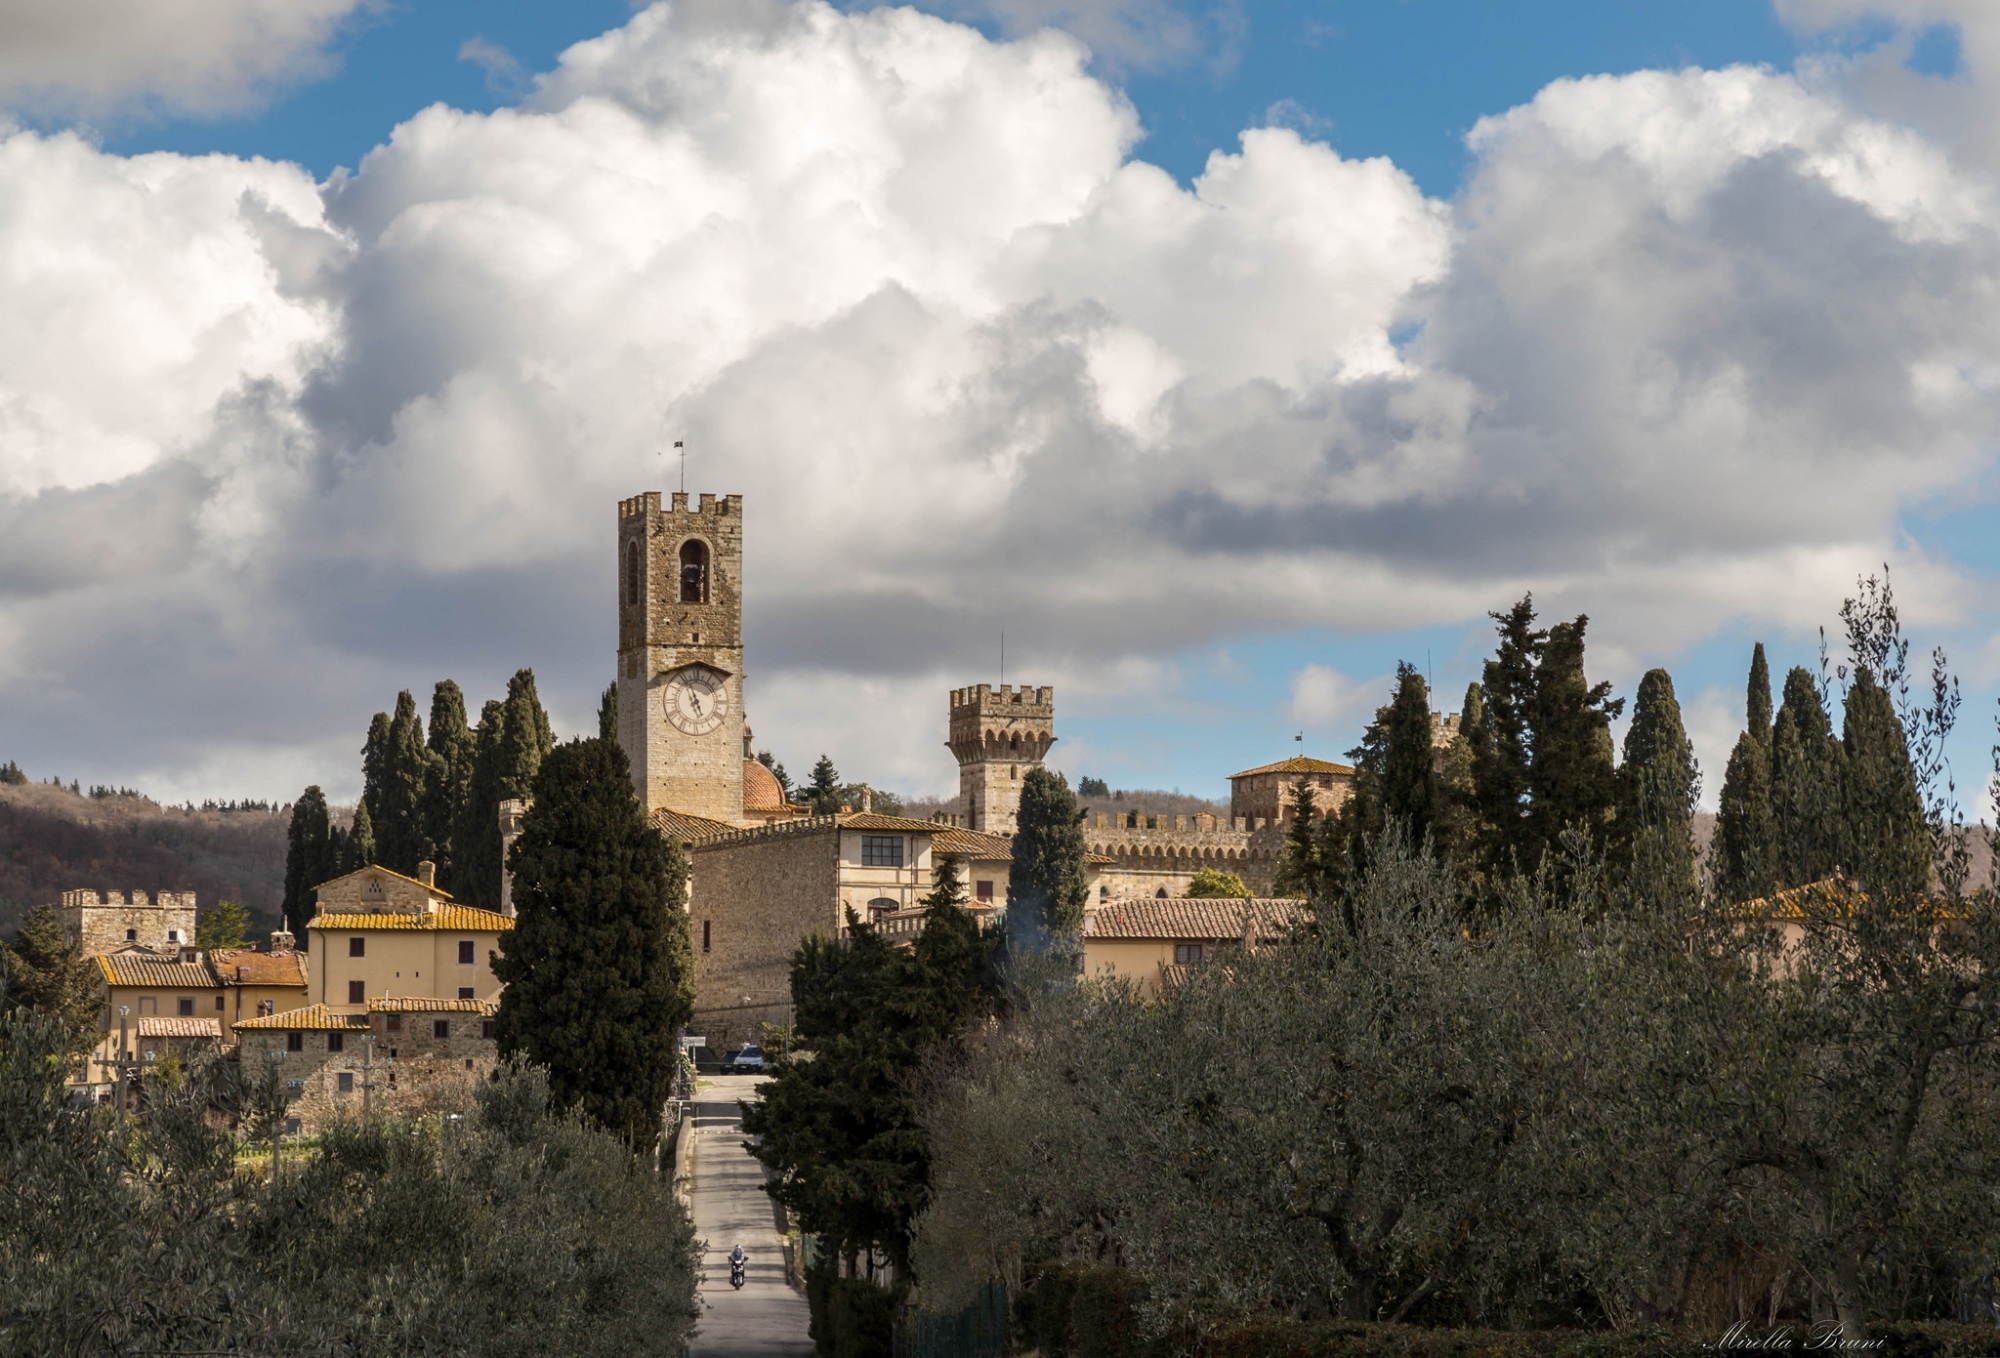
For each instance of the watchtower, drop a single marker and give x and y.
(997, 735)
(680, 652)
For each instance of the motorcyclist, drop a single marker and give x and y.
(737, 1258)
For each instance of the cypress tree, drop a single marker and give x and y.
(399, 803)
(1301, 868)
(1453, 829)
(1658, 786)
(476, 845)
(1746, 869)
(1757, 707)
(1409, 759)
(1046, 887)
(452, 746)
(358, 849)
(1572, 780)
(1504, 740)
(1891, 847)
(824, 790)
(375, 763)
(599, 967)
(311, 857)
(44, 971)
(607, 712)
(1808, 825)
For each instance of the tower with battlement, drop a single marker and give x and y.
(680, 652)
(997, 735)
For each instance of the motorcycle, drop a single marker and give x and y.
(736, 1273)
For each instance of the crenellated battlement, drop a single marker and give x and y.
(648, 503)
(1024, 700)
(105, 922)
(167, 900)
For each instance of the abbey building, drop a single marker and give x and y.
(763, 876)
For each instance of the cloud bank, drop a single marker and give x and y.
(1683, 349)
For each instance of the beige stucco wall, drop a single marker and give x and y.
(1129, 959)
(401, 962)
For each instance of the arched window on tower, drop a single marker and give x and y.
(694, 573)
(631, 574)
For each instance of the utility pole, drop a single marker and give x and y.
(367, 1073)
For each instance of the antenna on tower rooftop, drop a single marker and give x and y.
(1003, 659)
(681, 448)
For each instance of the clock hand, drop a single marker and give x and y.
(695, 698)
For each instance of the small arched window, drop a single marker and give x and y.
(1160, 895)
(880, 908)
(694, 572)
(631, 574)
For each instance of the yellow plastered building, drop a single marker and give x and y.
(379, 934)
(1155, 942)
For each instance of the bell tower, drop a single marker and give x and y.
(680, 652)
(997, 735)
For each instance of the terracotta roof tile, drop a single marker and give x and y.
(314, 1018)
(448, 918)
(417, 1004)
(1184, 917)
(970, 843)
(247, 966)
(1298, 764)
(688, 828)
(870, 820)
(154, 969)
(761, 789)
(180, 1027)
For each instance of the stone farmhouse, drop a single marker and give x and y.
(763, 876)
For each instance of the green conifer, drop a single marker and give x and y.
(1808, 822)
(452, 747)
(599, 968)
(399, 803)
(1757, 707)
(375, 762)
(1503, 743)
(1891, 846)
(1046, 887)
(226, 924)
(824, 790)
(1746, 868)
(11, 775)
(1409, 786)
(607, 712)
(1659, 785)
(512, 738)
(312, 856)
(1572, 779)
(358, 849)
(44, 971)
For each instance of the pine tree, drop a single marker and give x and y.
(1658, 787)
(1503, 743)
(312, 856)
(1746, 863)
(45, 972)
(11, 775)
(1891, 846)
(1301, 869)
(399, 802)
(824, 790)
(1572, 779)
(358, 849)
(452, 747)
(1808, 824)
(226, 924)
(607, 712)
(599, 968)
(1046, 887)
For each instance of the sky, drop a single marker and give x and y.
(1220, 356)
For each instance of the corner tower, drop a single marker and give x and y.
(680, 652)
(997, 735)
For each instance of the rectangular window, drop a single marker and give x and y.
(336, 1042)
(1187, 954)
(984, 891)
(185, 1006)
(357, 992)
(346, 1079)
(465, 952)
(440, 1028)
(704, 935)
(218, 1003)
(393, 1023)
(486, 1029)
(881, 851)
(148, 1006)
(465, 992)
(295, 1042)
(357, 946)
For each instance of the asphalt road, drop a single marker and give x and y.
(767, 1317)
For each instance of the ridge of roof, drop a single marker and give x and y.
(437, 891)
(172, 1026)
(422, 1004)
(1298, 763)
(1190, 917)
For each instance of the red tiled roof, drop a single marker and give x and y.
(761, 789)
(153, 969)
(1297, 764)
(180, 1027)
(1190, 918)
(686, 828)
(970, 843)
(313, 1019)
(871, 820)
(247, 966)
(449, 918)
(417, 1004)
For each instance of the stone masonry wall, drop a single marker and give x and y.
(1167, 851)
(426, 1074)
(100, 925)
(758, 894)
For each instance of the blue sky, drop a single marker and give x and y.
(1172, 704)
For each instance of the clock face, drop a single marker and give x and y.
(697, 699)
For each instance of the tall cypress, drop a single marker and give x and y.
(1808, 823)
(311, 857)
(1890, 847)
(1046, 886)
(1658, 786)
(607, 712)
(359, 850)
(451, 747)
(1572, 779)
(1746, 861)
(1503, 742)
(512, 739)
(399, 805)
(1396, 781)
(1453, 829)
(375, 763)
(599, 967)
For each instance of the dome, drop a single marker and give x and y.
(761, 790)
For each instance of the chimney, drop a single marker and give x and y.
(189, 954)
(282, 940)
(427, 873)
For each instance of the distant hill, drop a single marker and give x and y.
(53, 840)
